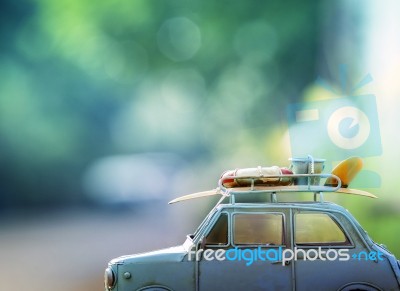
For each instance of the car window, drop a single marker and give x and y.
(219, 233)
(318, 229)
(258, 229)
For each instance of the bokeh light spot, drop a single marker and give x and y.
(179, 39)
(256, 41)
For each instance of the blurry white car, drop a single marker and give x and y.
(125, 179)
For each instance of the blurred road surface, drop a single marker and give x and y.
(69, 250)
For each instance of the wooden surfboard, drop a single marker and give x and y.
(212, 192)
(346, 171)
(356, 192)
(218, 192)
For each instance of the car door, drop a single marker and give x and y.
(252, 241)
(331, 255)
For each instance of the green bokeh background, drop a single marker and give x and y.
(207, 81)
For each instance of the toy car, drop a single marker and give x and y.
(245, 244)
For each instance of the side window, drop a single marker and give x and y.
(258, 229)
(318, 229)
(219, 233)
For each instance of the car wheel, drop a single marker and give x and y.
(154, 288)
(359, 287)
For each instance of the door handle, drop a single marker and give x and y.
(287, 263)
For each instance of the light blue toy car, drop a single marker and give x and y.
(249, 243)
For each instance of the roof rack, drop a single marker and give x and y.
(304, 175)
(312, 185)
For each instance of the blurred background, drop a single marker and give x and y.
(110, 109)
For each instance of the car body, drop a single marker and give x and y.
(245, 244)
